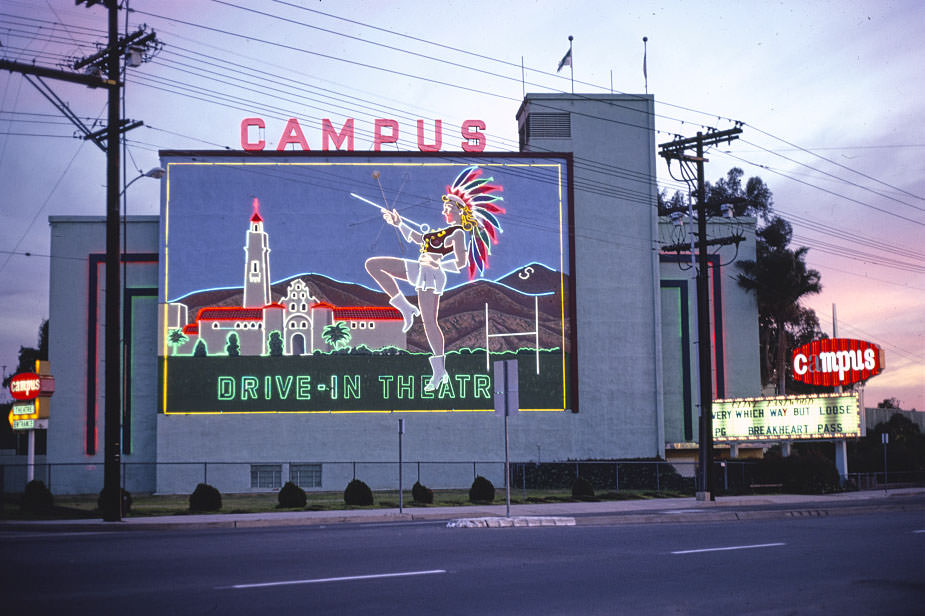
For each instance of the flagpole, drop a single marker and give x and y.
(645, 73)
(523, 77)
(571, 64)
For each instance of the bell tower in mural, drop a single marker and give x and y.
(256, 263)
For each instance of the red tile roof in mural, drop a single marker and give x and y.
(360, 313)
(367, 313)
(229, 313)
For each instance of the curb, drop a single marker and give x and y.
(737, 515)
(520, 522)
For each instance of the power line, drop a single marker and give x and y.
(825, 190)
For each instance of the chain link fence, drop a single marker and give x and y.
(729, 477)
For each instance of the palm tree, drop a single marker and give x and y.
(337, 335)
(176, 338)
(780, 278)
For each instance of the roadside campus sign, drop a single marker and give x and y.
(833, 362)
(31, 392)
(25, 386)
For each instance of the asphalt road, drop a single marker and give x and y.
(851, 564)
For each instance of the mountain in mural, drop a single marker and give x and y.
(528, 299)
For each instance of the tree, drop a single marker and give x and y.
(889, 403)
(755, 199)
(337, 335)
(780, 279)
(200, 350)
(275, 344)
(29, 355)
(176, 338)
(232, 348)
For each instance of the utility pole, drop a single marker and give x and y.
(108, 62)
(112, 461)
(676, 150)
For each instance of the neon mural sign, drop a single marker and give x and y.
(402, 306)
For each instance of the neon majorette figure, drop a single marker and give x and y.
(469, 208)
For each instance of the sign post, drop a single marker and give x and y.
(401, 431)
(507, 402)
(885, 439)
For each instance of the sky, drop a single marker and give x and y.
(829, 94)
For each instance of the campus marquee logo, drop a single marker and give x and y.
(832, 362)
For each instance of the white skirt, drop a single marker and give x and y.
(425, 277)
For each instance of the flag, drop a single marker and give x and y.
(566, 60)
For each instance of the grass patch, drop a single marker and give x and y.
(149, 505)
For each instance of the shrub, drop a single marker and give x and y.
(358, 494)
(291, 495)
(37, 498)
(799, 474)
(422, 494)
(126, 500)
(482, 490)
(582, 488)
(205, 498)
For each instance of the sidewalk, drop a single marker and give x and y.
(581, 513)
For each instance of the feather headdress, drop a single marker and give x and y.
(477, 199)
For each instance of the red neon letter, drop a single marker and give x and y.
(469, 135)
(328, 132)
(246, 144)
(380, 138)
(292, 134)
(438, 137)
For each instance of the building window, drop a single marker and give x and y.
(292, 307)
(372, 325)
(266, 475)
(362, 324)
(353, 324)
(305, 475)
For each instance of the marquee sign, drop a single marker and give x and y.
(830, 416)
(310, 283)
(832, 362)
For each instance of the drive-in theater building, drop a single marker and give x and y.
(279, 320)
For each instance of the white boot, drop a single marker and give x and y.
(440, 376)
(407, 309)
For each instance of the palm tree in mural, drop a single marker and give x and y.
(337, 335)
(176, 338)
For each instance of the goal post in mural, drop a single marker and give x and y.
(304, 283)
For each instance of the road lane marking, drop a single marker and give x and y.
(349, 578)
(733, 547)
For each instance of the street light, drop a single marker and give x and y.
(155, 172)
